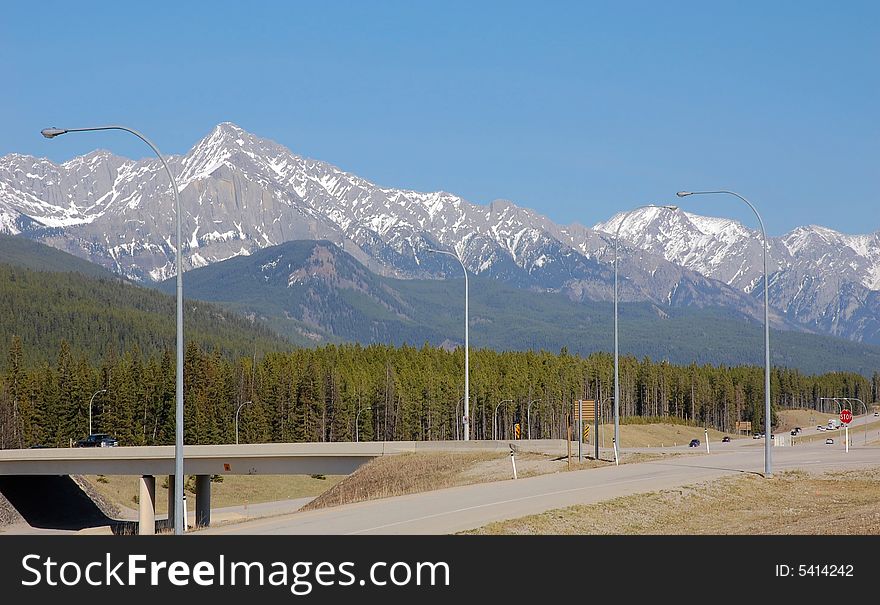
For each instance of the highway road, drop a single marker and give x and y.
(462, 508)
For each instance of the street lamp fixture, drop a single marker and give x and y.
(51, 133)
(466, 416)
(179, 521)
(495, 417)
(90, 409)
(237, 410)
(768, 466)
(357, 424)
(616, 346)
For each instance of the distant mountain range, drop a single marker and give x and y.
(242, 193)
(819, 278)
(313, 292)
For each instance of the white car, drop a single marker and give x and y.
(829, 441)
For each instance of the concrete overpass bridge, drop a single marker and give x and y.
(337, 458)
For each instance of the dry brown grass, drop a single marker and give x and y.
(794, 502)
(411, 473)
(400, 474)
(788, 419)
(654, 435)
(235, 490)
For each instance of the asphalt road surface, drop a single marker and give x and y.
(462, 508)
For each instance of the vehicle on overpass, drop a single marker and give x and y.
(98, 440)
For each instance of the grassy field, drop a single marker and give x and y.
(653, 435)
(402, 474)
(788, 419)
(794, 502)
(235, 490)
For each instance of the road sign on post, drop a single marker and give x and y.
(585, 409)
(745, 426)
(517, 430)
(846, 416)
(586, 434)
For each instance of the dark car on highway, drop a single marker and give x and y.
(694, 443)
(725, 439)
(97, 440)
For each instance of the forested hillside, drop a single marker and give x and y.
(97, 316)
(22, 252)
(406, 393)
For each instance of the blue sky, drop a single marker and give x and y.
(575, 109)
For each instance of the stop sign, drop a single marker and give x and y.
(846, 416)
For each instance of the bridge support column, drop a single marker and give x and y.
(171, 501)
(147, 505)
(203, 500)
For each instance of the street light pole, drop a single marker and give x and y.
(495, 417)
(466, 420)
(768, 430)
(529, 417)
(238, 409)
(356, 426)
(90, 408)
(616, 347)
(51, 133)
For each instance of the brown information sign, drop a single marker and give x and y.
(584, 409)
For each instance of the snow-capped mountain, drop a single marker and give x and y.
(818, 277)
(240, 193)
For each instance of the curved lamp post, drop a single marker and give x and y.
(466, 420)
(51, 133)
(495, 417)
(237, 410)
(835, 400)
(90, 408)
(356, 418)
(529, 416)
(848, 399)
(616, 347)
(768, 430)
